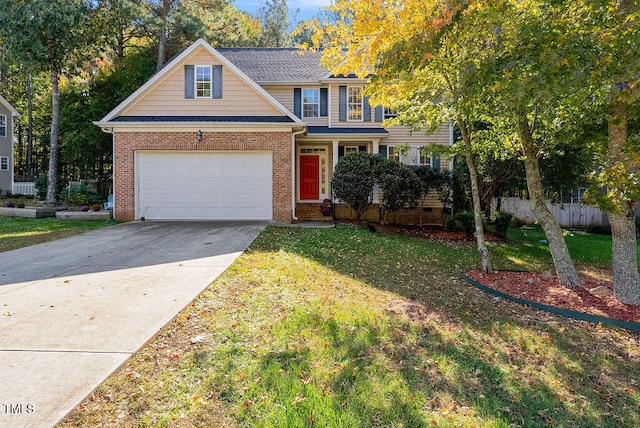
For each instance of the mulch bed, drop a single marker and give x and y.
(594, 297)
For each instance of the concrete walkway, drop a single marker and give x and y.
(75, 309)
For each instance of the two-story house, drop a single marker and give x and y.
(7, 113)
(245, 134)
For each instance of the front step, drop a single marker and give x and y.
(311, 212)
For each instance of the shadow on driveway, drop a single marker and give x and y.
(75, 309)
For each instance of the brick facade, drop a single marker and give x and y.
(127, 143)
(402, 216)
(310, 212)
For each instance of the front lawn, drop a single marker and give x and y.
(18, 232)
(347, 328)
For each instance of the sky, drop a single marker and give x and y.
(308, 8)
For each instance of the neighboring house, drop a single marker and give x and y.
(7, 113)
(245, 134)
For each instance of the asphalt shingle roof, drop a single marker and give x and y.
(277, 64)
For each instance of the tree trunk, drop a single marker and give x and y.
(20, 162)
(567, 274)
(53, 148)
(485, 257)
(29, 127)
(162, 40)
(624, 264)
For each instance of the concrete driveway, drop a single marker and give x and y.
(75, 309)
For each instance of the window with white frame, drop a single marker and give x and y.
(348, 150)
(310, 103)
(4, 163)
(3, 125)
(393, 153)
(203, 82)
(389, 113)
(354, 103)
(410, 155)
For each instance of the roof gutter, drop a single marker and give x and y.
(293, 172)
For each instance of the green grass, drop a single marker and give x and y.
(524, 249)
(18, 232)
(346, 328)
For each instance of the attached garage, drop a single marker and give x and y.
(203, 185)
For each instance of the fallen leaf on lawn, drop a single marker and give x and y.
(197, 339)
(298, 399)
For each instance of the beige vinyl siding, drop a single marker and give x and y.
(167, 95)
(431, 201)
(402, 135)
(284, 94)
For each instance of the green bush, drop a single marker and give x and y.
(500, 221)
(81, 197)
(603, 230)
(400, 186)
(462, 221)
(41, 186)
(354, 178)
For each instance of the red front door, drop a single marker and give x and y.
(309, 177)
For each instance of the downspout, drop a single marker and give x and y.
(293, 172)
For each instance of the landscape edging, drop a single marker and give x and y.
(582, 316)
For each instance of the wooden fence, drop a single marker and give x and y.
(568, 215)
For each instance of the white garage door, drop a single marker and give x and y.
(203, 185)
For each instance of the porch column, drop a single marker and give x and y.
(376, 190)
(334, 153)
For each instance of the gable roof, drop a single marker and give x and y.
(9, 107)
(112, 117)
(277, 65)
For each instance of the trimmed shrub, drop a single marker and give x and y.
(500, 221)
(462, 221)
(354, 178)
(400, 186)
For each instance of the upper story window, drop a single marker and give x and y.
(389, 113)
(354, 103)
(3, 125)
(4, 163)
(203, 81)
(310, 103)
